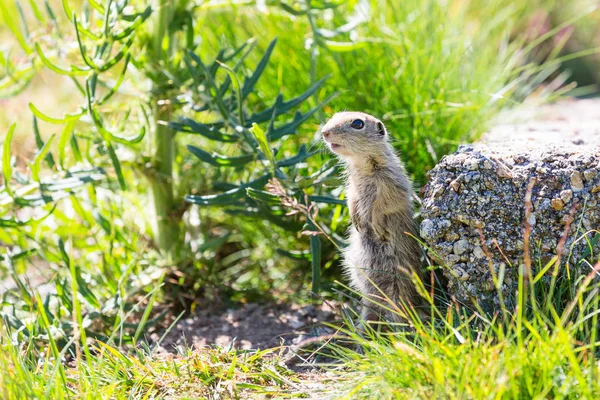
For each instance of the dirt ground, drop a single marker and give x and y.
(256, 326)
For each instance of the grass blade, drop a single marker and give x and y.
(6, 164)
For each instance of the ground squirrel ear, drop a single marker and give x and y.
(380, 128)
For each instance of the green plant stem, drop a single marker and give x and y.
(162, 145)
(166, 229)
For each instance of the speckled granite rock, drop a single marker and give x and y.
(485, 186)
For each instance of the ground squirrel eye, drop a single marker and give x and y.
(358, 124)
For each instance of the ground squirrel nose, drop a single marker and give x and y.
(325, 134)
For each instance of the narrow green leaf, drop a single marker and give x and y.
(36, 11)
(298, 255)
(285, 106)
(75, 148)
(543, 271)
(299, 118)
(78, 85)
(250, 82)
(326, 200)
(117, 84)
(263, 143)
(67, 118)
(108, 22)
(263, 196)
(40, 143)
(117, 166)
(65, 136)
(188, 125)
(50, 13)
(218, 160)
(293, 11)
(106, 135)
(15, 84)
(298, 158)
(214, 67)
(216, 96)
(63, 252)
(23, 20)
(117, 57)
(38, 200)
(10, 223)
(136, 23)
(249, 44)
(97, 6)
(230, 196)
(73, 72)
(78, 286)
(10, 23)
(6, 165)
(67, 8)
(35, 165)
(238, 89)
(45, 324)
(22, 254)
(273, 216)
(591, 244)
(109, 228)
(147, 311)
(103, 222)
(82, 49)
(87, 294)
(315, 252)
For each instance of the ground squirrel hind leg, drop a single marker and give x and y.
(369, 316)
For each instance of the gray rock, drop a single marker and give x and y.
(460, 247)
(576, 181)
(566, 196)
(468, 221)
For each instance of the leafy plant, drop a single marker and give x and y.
(120, 140)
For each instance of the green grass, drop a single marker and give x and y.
(435, 72)
(110, 373)
(545, 347)
(541, 362)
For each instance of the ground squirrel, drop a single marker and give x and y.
(379, 196)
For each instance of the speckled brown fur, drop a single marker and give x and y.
(382, 256)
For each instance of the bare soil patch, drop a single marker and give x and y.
(254, 326)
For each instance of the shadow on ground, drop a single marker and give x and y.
(253, 326)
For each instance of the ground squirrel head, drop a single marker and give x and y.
(355, 135)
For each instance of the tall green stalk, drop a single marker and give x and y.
(162, 143)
